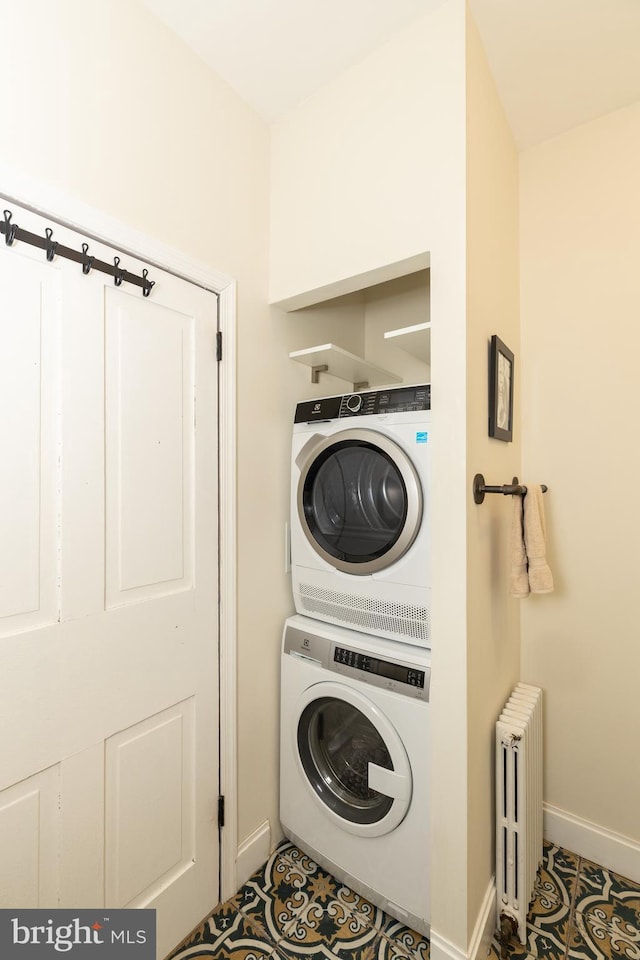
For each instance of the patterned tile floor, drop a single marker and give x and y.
(580, 911)
(292, 909)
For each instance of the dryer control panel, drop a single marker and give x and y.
(365, 404)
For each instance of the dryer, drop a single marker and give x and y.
(354, 762)
(360, 501)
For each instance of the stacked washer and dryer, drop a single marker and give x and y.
(356, 659)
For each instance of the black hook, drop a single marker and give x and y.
(118, 275)
(9, 228)
(146, 284)
(50, 245)
(87, 262)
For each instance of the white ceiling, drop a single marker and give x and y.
(557, 63)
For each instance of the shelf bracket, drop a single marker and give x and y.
(328, 358)
(317, 370)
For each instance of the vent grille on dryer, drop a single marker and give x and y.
(367, 613)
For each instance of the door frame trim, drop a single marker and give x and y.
(48, 201)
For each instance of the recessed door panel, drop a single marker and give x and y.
(150, 806)
(28, 441)
(149, 449)
(29, 842)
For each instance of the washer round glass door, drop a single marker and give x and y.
(352, 759)
(359, 500)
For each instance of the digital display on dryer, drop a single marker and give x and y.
(369, 403)
(382, 668)
(403, 401)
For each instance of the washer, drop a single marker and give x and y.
(360, 511)
(354, 762)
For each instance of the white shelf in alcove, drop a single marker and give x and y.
(415, 340)
(347, 366)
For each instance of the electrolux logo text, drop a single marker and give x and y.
(79, 934)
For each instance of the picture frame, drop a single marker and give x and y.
(501, 377)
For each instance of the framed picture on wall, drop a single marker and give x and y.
(500, 390)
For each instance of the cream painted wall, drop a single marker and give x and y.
(580, 246)
(370, 171)
(104, 103)
(357, 322)
(391, 306)
(339, 321)
(493, 618)
(358, 169)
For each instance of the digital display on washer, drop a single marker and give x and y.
(382, 668)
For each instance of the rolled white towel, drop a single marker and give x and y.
(519, 581)
(535, 539)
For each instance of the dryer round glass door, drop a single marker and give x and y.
(352, 759)
(359, 500)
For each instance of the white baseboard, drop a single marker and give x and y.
(485, 924)
(253, 852)
(443, 949)
(611, 850)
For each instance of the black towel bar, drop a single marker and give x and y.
(513, 489)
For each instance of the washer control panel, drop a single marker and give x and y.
(369, 666)
(393, 675)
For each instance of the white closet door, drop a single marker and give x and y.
(108, 588)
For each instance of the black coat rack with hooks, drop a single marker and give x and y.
(52, 248)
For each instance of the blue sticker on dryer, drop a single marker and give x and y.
(422, 436)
